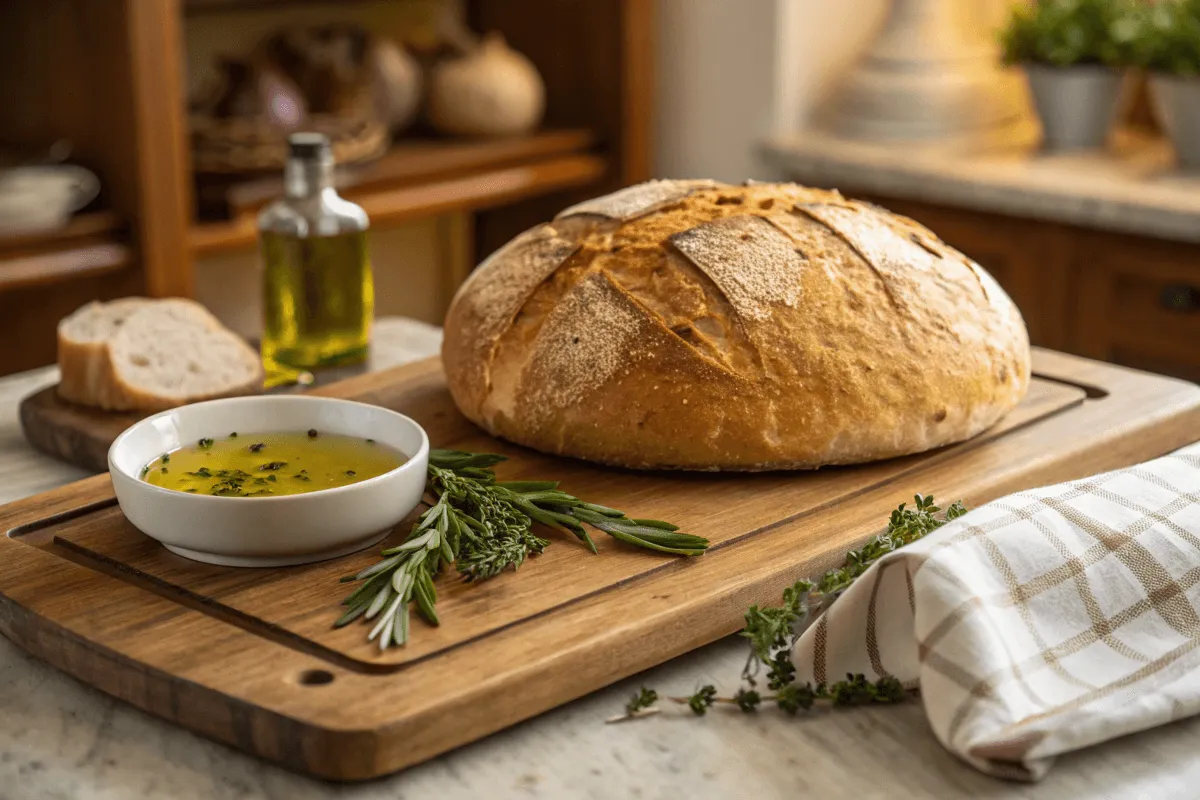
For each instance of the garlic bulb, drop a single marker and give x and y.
(491, 91)
(396, 81)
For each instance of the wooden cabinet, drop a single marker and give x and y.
(1139, 304)
(1127, 299)
(109, 75)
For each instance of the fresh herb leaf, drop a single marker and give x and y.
(257, 447)
(642, 700)
(772, 632)
(271, 466)
(747, 700)
(205, 443)
(702, 700)
(481, 528)
(312, 433)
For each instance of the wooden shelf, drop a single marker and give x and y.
(54, 266)
(195, 7)
(91, 244)
(430, 178)
(414, 161)
(82, 228)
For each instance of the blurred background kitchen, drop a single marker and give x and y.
(141, 138)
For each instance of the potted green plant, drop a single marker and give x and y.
(1167, 44)
(1072, 52)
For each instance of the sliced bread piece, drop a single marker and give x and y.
(83, 345)
(160, 359)
(85, 353)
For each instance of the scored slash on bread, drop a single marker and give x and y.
(150, 355)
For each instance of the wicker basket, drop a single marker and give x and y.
(243, 146)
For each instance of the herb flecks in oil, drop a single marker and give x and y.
(296, 464)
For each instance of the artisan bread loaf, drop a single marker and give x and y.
(698, 325)
(149, 355)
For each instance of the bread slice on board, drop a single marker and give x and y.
(149, 355)
(83, 345)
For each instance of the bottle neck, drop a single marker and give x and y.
(307, 177)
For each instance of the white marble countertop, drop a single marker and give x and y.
(1133, 187)
(62, 739)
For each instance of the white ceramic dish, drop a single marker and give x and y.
(269, 531)
(34, 199)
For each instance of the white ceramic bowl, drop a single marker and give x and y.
(269, 531)
(36, 199)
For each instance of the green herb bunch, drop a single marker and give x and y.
(1064, 33)
(482, 527)
(1166, 37)
(772, 632)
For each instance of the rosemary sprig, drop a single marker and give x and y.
(483, 527)
(772, 632)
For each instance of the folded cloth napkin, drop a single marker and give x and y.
(1040, 623)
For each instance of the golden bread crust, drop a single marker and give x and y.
(695, 325)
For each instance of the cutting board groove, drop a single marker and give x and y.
(233, 653)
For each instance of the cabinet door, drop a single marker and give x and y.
(1139, 304)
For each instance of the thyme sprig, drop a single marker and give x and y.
(772, 632)
(482, 527)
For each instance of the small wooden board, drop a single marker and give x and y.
(76, 434)
(248, 657)
(81, 435)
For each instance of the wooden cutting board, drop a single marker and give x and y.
(248, 657)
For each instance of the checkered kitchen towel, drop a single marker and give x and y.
(1040, 623)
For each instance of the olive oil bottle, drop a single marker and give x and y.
(318, 293)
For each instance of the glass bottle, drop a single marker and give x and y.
(318, 293)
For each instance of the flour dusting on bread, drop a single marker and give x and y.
(755, 265)
(634, 201)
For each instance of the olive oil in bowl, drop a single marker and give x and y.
(271, 464)
(318, 291)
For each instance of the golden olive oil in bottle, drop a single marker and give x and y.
(318, 294)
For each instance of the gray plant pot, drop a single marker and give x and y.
(1077, 105)
(1176, 101)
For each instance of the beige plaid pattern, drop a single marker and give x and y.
(1038, 624)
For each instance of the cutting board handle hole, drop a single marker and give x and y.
(316, 677)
